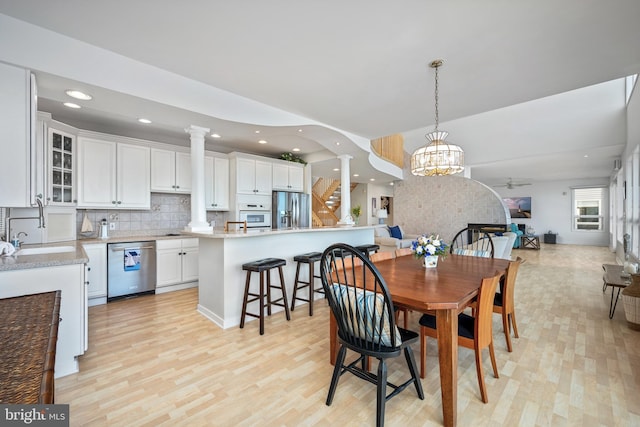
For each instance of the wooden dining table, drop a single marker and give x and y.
(446, 290)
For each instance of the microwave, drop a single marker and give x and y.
(256, 219)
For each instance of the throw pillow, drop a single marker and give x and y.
(366, 306)
(395, 232)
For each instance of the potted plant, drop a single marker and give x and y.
(429, 248)
(355, 213)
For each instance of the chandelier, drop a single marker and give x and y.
(438, 157)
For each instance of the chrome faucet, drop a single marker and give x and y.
(40, 212)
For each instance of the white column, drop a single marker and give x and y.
(345, 186)
(198, 209)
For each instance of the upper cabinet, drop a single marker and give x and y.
(170, 171)
(113, 175)
(216, 183)
(253, 176)
(61, 152)
(17, 145)
(288, 177)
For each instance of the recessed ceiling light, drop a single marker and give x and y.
(299, 130)
(336, 169)
(145, 121)
(79, 95)
(337, 143)
(71, 105)
(586, 155)
(215, 135)
(257, 131)
(355, 174)
(372, 179)
(391, 183)
(262, 141)
(296, 149)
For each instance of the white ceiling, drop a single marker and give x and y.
(522, 90)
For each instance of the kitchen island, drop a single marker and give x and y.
(221, 284)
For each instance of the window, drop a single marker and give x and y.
(588, 208)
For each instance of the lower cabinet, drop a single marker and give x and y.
(177, 264)
(96, 273)
(72, 330)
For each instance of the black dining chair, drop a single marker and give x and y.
(363, 310)
(472, 242)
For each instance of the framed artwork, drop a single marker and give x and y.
(519, 207)
(373, 206)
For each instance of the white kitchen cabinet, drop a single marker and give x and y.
(113, 175)
(72, 330)
(216, 184)
(253, 176)
(170, 171)
(17, 145)
(177, 263)
(96, 272)
(288, 177)
(61, 152)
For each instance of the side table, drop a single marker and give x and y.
(529, 242)
(613, 277)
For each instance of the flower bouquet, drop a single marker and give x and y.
(429, 248)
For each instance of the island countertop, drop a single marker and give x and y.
(220, 234)
(221, 255)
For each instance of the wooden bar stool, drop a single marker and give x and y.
(264, 267)
(366, 249)
(310, 258)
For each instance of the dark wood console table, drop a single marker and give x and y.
(28, 333)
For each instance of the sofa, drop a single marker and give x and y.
(388, 243)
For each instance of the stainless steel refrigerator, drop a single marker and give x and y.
(290, 210)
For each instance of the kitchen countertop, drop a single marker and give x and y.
(75, 256)
(78, 256)
(21, 262)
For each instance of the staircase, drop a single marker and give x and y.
(326, 198)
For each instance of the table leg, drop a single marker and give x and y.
(447, 321)
(613, 304)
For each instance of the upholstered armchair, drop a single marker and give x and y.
(514, 229)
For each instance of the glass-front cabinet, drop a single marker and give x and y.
(62, 152)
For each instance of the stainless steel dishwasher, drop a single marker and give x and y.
(131, 268)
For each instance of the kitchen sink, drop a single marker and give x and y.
(45, 250)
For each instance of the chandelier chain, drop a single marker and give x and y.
(437, 67)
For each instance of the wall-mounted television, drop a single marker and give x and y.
(519, 207)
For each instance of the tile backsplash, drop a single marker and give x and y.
(169, 213)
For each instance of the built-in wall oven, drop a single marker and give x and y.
(257, 215)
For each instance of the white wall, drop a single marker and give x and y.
(375, 191)
(551, 211)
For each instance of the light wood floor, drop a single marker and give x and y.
(154, 361)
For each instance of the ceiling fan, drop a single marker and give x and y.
(510, 184)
